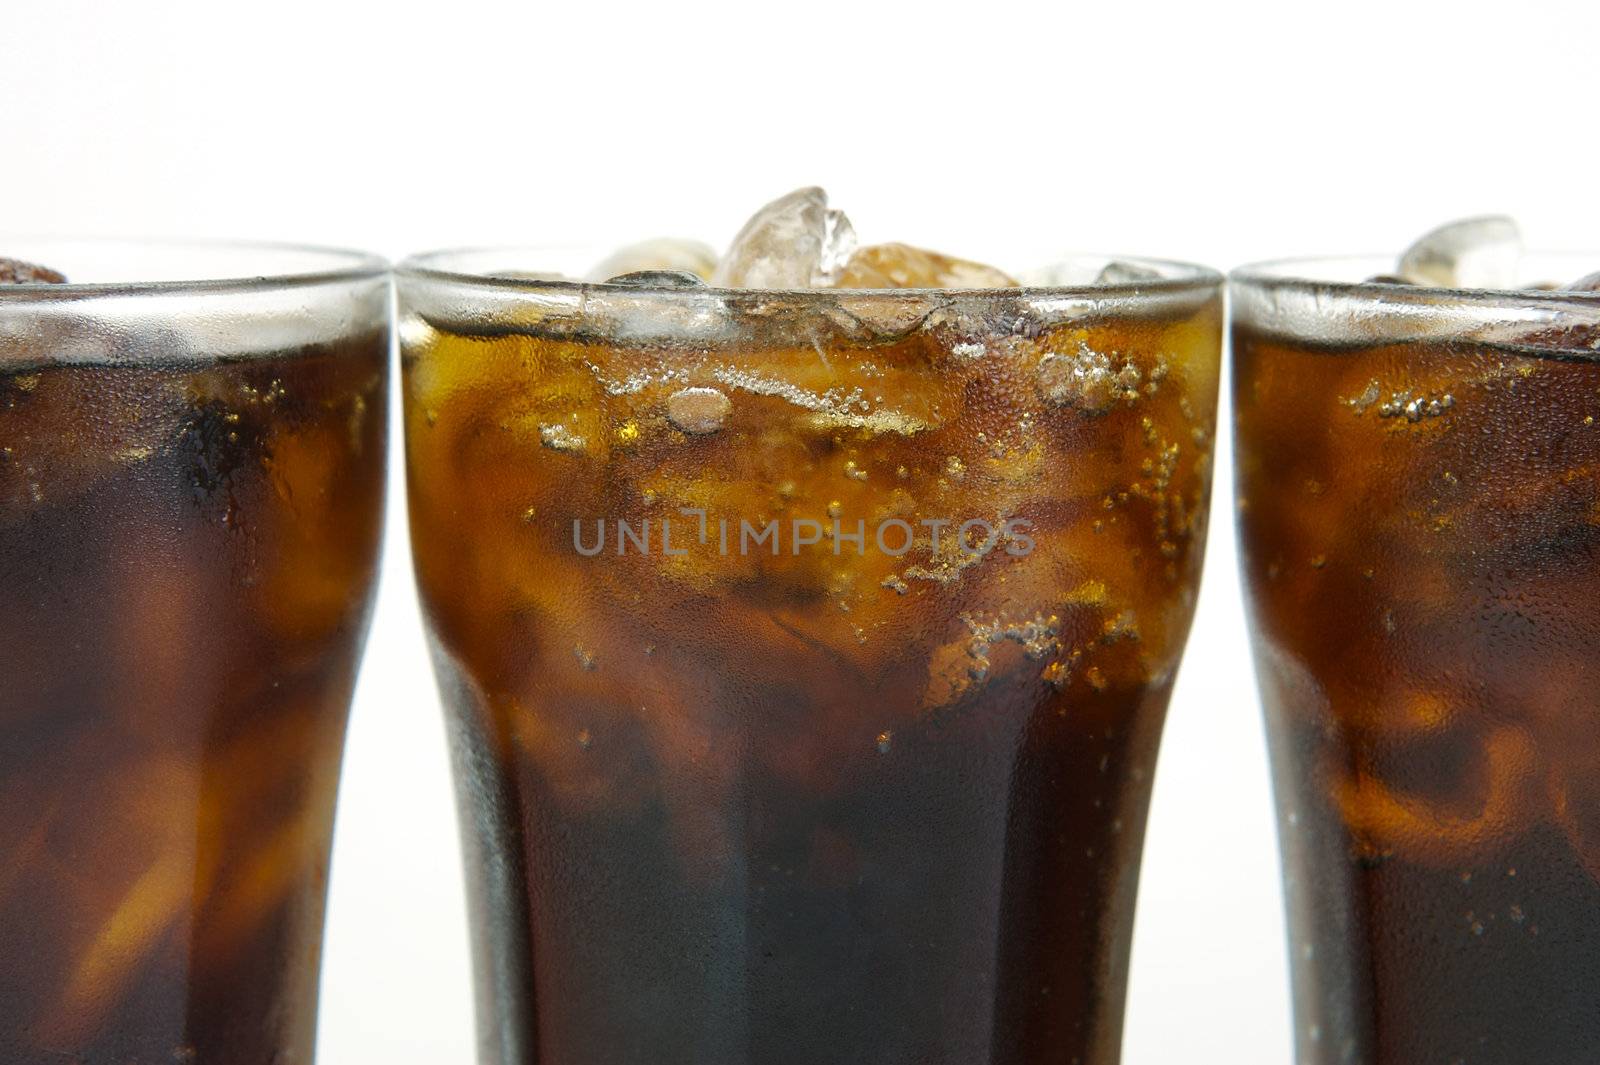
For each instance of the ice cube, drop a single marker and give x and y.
(792, 242)
(1472, 253)
(17, 272)
(662, 254)
(1117, 272)
(1586, 284)
(658, 279)
(902, 266)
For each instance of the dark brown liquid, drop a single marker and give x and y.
(1421, 530)
(806, 807)
(186, 557)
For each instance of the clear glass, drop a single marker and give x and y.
(1419, 504)
(192, 449)
(805, 653)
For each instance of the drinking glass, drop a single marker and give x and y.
(191, 475)
(1419, 501)
(805, 652)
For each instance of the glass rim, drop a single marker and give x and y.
(434, 267)
(1297, 273)
(341, 265)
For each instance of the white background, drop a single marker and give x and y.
(1220, 133)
